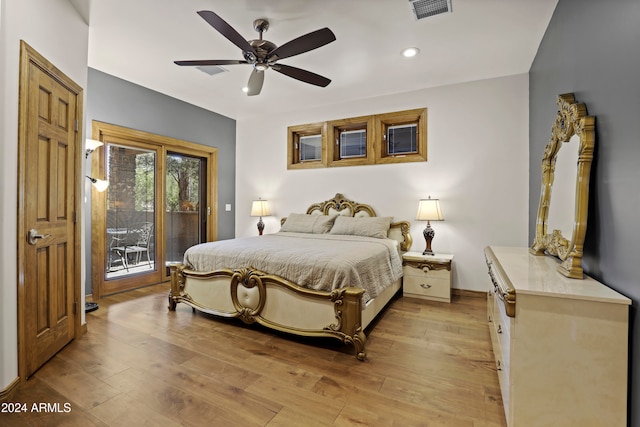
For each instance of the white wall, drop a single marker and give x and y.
(477, 166)
(56, 30)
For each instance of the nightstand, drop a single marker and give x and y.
(427, 276)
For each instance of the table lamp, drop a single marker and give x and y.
(260, 208)
(429, 210)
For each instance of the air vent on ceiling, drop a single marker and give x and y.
(425, 8)
(212, 70)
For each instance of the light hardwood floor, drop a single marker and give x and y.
(429, 364)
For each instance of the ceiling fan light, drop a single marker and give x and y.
(245, 89)
(410, 52)
(260, 66)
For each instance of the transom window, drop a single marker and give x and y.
(310, 148)
(402, 139)
(353, 143)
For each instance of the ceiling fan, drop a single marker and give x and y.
(263, 54)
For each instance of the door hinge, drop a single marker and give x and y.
(75, 217)
(76, 125)
(75, 307)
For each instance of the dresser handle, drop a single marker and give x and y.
(499, 329)
(490, 319)
(425, 286)
(499, 366)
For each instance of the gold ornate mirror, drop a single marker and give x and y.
(566, 165)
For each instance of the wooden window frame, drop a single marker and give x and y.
(416, 117)
(293, 143)
(376, 126)
(335, 127)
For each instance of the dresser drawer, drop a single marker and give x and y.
(502, 328)
(500, 340)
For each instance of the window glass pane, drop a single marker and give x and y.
(184, 197)
(353, 143)
(131, 215)
(402, 139)
(311, 147)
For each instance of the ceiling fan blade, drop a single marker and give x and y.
(302, 75)
(303, 44)
(205, 62)
(226, 30)
(255, 82)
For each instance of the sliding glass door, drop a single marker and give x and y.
(184, 200)
(160, 201)
(131, 211)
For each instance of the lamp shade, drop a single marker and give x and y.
(260, 208)
(92, 144)
(99, 184)
(429, 210)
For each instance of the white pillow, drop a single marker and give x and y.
(362, 226)
(301, 223)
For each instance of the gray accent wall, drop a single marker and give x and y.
(591, 49)
(119, 102)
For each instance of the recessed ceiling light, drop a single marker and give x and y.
(245, 89)
(410, 52)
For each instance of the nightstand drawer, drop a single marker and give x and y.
(427, 272)
(427, 286)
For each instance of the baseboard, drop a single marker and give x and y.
(468, 293)
(5, 393)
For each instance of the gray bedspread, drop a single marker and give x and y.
(315, 261)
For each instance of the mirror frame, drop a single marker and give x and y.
(571, 120)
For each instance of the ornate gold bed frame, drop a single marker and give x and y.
(272, 301)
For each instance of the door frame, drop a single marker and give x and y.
(164, 144)
(29, 55)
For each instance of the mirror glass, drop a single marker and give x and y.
(566, 166)
(563, 191)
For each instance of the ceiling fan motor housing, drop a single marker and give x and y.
(263, 48)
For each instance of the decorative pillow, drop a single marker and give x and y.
(362, 226)
(302, 223)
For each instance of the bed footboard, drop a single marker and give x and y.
(272, 301)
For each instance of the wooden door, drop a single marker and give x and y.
(47, 235)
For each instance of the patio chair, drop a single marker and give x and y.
(136, 242)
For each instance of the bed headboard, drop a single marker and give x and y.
(340, 205)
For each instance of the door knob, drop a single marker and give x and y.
(33, 236)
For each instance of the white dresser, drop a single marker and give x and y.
(560, 344)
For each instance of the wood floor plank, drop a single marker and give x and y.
(236, 376)
(122, 411)
(429, 364)
(316, 407)
(71, 381)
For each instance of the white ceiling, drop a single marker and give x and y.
(138, 40)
